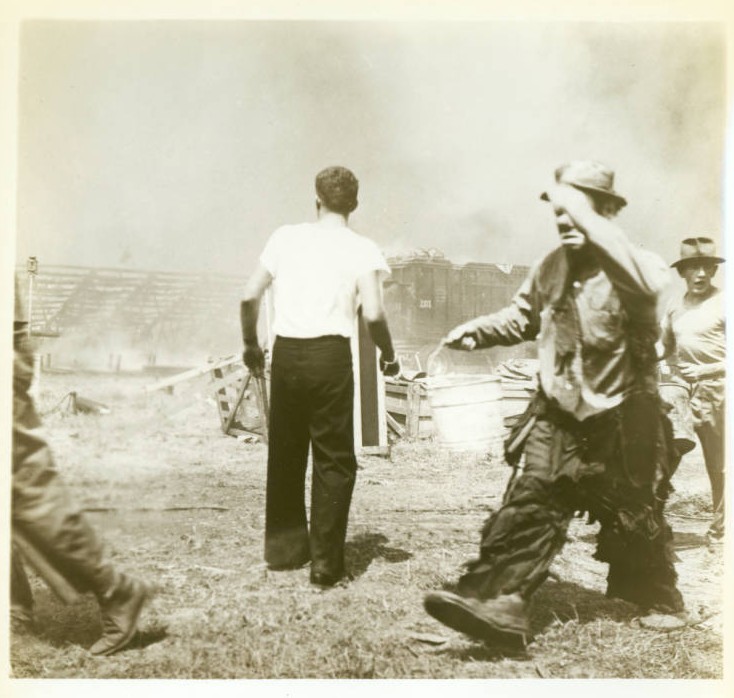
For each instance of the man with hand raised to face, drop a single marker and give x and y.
(596, 437)
(321, 273)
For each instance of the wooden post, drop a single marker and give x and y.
(413, 411)
(370, 423)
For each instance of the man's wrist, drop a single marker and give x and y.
(251, 342)
(389, 357)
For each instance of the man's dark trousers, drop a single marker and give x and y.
(311, 402)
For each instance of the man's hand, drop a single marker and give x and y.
(390, 368)
(569, 199)
(254, 358)
(461, 338)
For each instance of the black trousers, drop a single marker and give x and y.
(311, 402)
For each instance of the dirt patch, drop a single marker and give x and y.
(183, 505)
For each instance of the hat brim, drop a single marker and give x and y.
(611, 194)
(701, 258)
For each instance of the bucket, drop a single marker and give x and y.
(466, 412)
(515, 400)
(678, 396)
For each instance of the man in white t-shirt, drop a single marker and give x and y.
(694, 341)
(321, 273)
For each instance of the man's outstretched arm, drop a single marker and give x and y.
(518, 322)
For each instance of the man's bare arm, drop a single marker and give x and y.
(373, 311)
(249, 312)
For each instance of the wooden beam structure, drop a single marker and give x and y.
(146, 309)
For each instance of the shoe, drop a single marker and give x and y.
(323, 580)
(714, 538)
(120, 614)
(501, 621)
(666, 622)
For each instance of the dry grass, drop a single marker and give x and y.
(221, 614)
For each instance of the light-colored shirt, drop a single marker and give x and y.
(315, 268)
(605, 300)
(695, 334)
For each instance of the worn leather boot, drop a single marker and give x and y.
(502, 621)
(120, 612)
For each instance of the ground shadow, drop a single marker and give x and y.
(362, 549)
(682, 540)
(149, 636)
(486, 653)
(566, 601)
(78, 623)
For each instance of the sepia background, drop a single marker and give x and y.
(178, 146)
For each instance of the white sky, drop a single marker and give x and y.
(182, 145)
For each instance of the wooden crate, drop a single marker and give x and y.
(408, 411)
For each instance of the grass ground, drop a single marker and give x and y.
(182, 505)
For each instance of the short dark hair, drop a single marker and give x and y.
(337, 188)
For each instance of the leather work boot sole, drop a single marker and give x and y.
(666, 622)
(501, 622)
(120, 618)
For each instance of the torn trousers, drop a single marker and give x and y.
(43, 509)
(616, 468)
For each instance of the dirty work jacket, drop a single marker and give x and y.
(595, 322)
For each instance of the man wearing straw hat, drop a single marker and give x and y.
(595, 437)
(694, 345)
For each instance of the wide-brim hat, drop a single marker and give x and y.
(700, 249)
(588, 175)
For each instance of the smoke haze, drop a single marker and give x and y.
(182, 145)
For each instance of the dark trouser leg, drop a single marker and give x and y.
(42, 507)
(21, 597)
(521, 539)
(637, 543)
(334, 460)
(628, 499)
(334, 467)
(712, 444)
(286, 529)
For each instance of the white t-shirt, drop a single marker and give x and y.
(315, 268)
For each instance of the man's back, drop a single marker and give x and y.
(315, 268)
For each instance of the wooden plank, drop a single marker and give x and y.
(261, 391)
(240, 395)
(394, 425)
(191, 374)
(369, 386)
(412, 417)
(401, 406)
